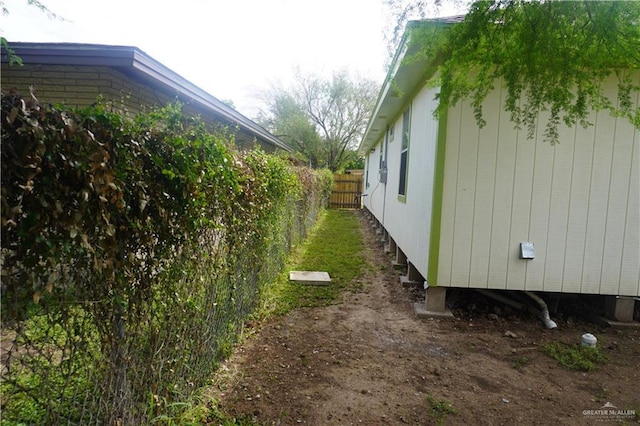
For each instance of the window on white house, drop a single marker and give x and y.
(404, 152)
(366, 180)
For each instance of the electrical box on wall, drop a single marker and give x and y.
(383, 175)
(527, 251)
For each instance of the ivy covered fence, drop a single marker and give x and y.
(132, 253)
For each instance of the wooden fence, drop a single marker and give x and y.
(347, 191)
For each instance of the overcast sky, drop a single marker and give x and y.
(230, 48)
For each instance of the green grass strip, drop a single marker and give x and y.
(334, 245)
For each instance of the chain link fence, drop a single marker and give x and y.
(135, 354)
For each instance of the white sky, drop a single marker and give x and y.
(230, 48)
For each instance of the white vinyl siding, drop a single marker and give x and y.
(577, 201)
(373, 201)
(408, 220)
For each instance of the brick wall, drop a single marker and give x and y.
(81, 86)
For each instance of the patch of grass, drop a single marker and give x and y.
(50, 358)
(520, 361)
(206, 410)
(439, 410)
(575, 357)
(335, 245)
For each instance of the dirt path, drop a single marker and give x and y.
(369, 360)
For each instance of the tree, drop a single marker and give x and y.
(322, 118)
(551, 55)
(286, 118)
(4, 43)
(36, 3)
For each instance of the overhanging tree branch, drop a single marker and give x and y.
(551, 56)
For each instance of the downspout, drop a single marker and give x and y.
(544, 314)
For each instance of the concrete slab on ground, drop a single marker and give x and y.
(310, 277)
(421, 312)
(619, 325)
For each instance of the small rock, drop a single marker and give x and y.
(510, 334)
(505, 400)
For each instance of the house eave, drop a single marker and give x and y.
(134, 62)
(404, 77)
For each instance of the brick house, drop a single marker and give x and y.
(78, 74)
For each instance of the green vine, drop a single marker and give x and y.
(553, 57)
(154, 231)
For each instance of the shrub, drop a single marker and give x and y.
(132, 252)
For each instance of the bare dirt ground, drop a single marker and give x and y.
(369, 360)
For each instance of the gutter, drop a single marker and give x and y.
(133, 61)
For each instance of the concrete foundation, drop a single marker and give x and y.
(407, 283)
(620, 308)
(391, 246)
(434, 305)
(401, 258)
(413, 277)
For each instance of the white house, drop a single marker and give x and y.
(488, 208)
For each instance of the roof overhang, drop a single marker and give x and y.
(137, 64)
(409, 71)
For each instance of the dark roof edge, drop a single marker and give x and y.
(137, 60)
(396, 64)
